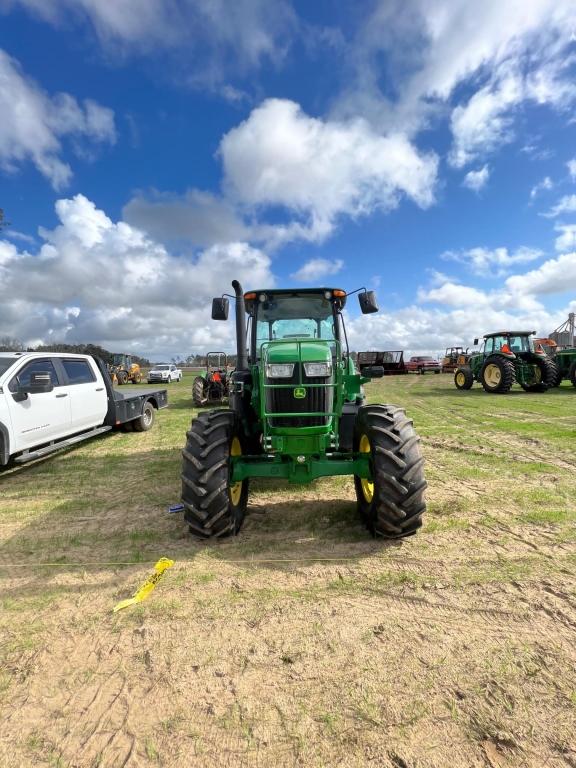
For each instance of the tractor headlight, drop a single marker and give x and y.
(318, 369)
(279, 370)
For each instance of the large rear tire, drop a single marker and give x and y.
(497, 375)
(213, 506)
(557, 374)
(392, 503)
(463, 378)
(545, 372)
(198, 397)
(572, 374)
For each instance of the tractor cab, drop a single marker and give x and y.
(511, 343)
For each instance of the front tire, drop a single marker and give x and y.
(497, 375)
(122, 377)
(463, 378)
(198, 398)
(392, 503)
(213, 506)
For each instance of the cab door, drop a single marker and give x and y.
(39, 418)
(88, 398)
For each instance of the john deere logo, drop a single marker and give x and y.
(299, 393)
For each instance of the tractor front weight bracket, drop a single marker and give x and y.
(301, 468)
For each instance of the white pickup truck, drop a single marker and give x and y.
(164, 372)
(52, 400)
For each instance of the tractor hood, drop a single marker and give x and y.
(292, 351)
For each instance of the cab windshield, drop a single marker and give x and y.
(516, 344)
(295, 316)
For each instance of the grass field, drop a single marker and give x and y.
(302, 642)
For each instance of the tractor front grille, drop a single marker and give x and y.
(282, 400)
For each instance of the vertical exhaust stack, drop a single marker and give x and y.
(242, 352)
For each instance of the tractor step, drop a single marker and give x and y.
(57, 446)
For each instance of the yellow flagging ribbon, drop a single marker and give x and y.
(141, 594)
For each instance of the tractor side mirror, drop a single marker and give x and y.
(475, 342)
(220, 309)
(368, 303)
(372, 371)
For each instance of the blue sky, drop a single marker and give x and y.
(151, 151)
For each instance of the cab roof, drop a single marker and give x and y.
(293, 291)
(508, 333)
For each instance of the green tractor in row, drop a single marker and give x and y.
(505, 358)
(565, 362)
(298, 412)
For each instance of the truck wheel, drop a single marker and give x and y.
(544, 376)
(392, 503)
(497, 375)
(463, 378)
(144, 422)
(213, 506)
(572, 374)
(422, 371)
(198, 392)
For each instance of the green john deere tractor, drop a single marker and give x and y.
(565, 361)
(298, 412)
(505, 358)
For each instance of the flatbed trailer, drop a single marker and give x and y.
(392, 361)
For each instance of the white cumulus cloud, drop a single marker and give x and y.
(477, 180)
(32, 124)
(317, 268)
(542, 186)
(95, 280)
(566, 240)
(428, 55)
(224, 36)
(492, 261)
(566, 204)
(554, 276)
(322, 169)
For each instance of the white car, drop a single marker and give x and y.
(52, 400)
(164, 373)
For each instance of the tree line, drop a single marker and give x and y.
(8, 344)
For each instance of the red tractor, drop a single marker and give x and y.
(213, 387)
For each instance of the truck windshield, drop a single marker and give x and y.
(162, 367)
(5, 363)
(295, 316)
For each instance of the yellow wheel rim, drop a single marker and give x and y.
(235, 489)
(367, 486)
(493, 375)
(460, 379)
